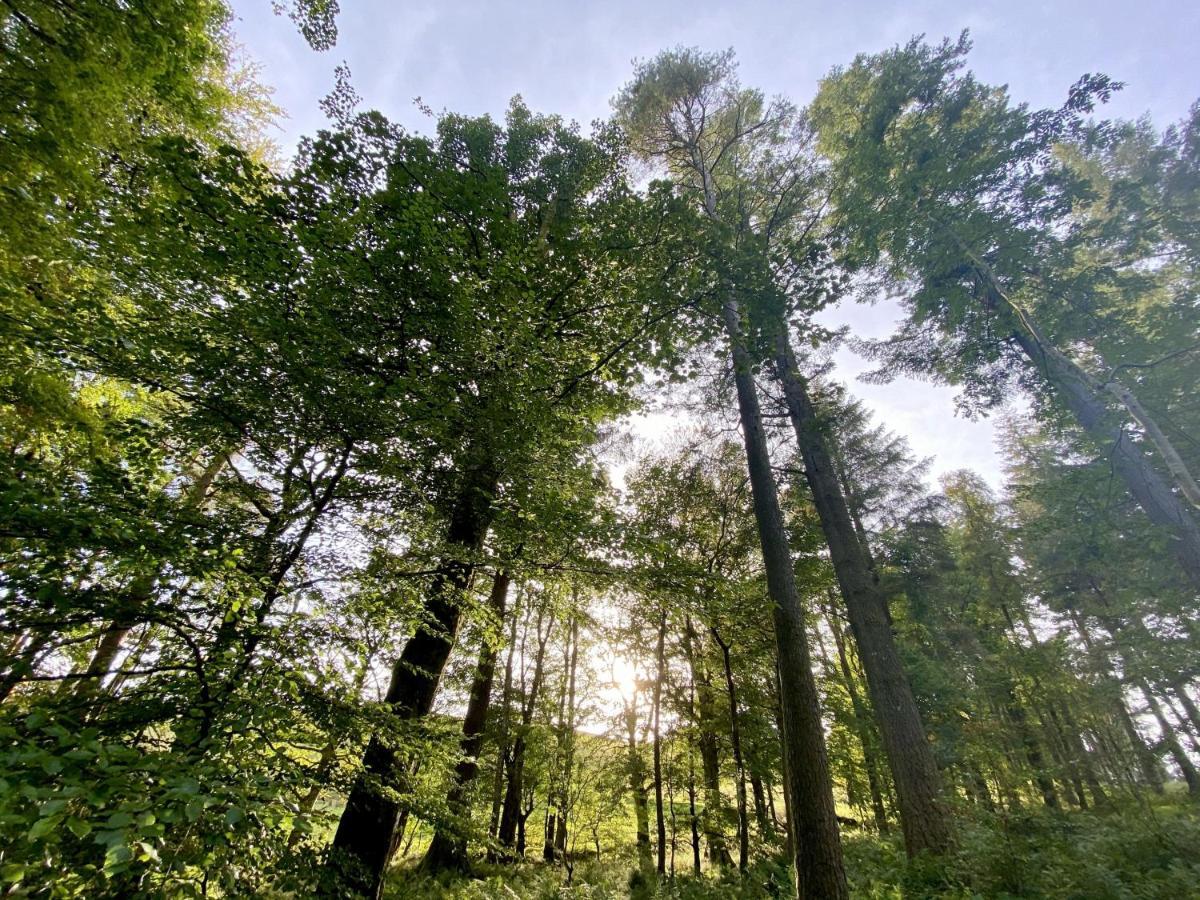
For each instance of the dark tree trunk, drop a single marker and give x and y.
(448, 850)
(761, 820)
(637, 787)
(560, 835)
(694, 820)
(1161, 504)
(1016, 715)
(1084, 757)
(1147, 761)
(513, 812)
(739, 766)
(910, 757)
(139, 594)
(660, 674)
(1180, 689)
(816, 844)
(1171, 740)
(714, 837)
(503, 744)
(362, 844)
(558, 799)
(862, 724)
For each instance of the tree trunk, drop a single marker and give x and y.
(815, 841)
(694, 820)
(140, 591)
(503, 746)
(739, 766)
(362, 844)
(560, 835)
(1161, 505)
(513, 815)
(448, 850)
(1147, 761)
(759, 794)
(660, 674)
(1180, 689)
(637, 787)
(714, 838)
(910, 757)
(1171, 740)
(862, 725)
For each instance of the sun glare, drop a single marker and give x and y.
(624, 676)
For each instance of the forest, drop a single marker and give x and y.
(335, 563)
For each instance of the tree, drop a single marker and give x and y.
(685, 111)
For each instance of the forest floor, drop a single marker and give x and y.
(1139, 852)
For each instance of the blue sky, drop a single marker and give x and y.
(569, 57)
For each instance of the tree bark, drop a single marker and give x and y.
(816, 844)
(362, 844)
(923, 817)
(448, 849)
(660, 674)
(862, 725)
(739, 766)
(513, 815)
(1162, 506)
(1171, 740)
(637, 787)
(714, 837)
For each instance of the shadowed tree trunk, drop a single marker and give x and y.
(815, 841)
(910, 757)
(861, 724)
(362, 844)
(659, 674)
(140, 591)
(637, 786)
(714, 838)
(513, 813)
(1171, 740)
(448, 850)
(1162, 505)
(739, 765)
(502, 744)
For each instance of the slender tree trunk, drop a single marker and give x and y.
(140, 591)
(910, 757)
(1084, 756)
(637, 787)
(739, 766)
(660, 674)
(560, 835)
(1162, 506)
(760, 806)
(1181, 721)
(693, 819)
(815, 841)
(862, 724)
(1016, 715)
(718, 852)
(448, 850)
(1148, 763)
(362, 844)
(1171, 740)
(1180, 689)
(513, 814)
(503, 748)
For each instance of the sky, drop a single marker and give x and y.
(570, 56)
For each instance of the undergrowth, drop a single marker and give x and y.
(1138, 853)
